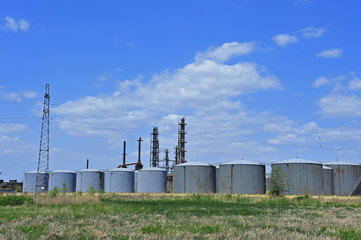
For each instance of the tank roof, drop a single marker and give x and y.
(341, 163)
(325, 167)
(241, 162)
(153, 169)
(119, 170)
(34, 171)
(90, 170)
(194, 164)
(297, 161)
(62, 171)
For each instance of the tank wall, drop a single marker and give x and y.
(119, 182)
(178, 180)
(84, 180)
(152, 181)
(194, 179)
(242, 178)
(304, 178)
(345, 177)
(29, 182)
(217, 179)
(57, 179)
(135, 181)
(328, 182)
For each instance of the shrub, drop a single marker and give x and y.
(92, 190)
(64, 189)
(280, 182)
(54, 192)
(12, 200)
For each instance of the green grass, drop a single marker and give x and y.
(193, 216)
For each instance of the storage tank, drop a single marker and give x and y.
(217, 178)
(346, 175)
(136, 180)
(152, 180)
(244, 177)
(89, 177)
(194, 177)
(29, 182)
(58, 178)
(305, 176)
(328, 181)
(119, 180)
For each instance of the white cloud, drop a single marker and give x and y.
(311, 32)
(284, 39)
(11, 96)
(321, 81)
(340, 106)
(330, 53)
(29, 94)
(11, 127)
(226, 51)
(287, 138)
(104, 77)
(13, 25)
(354, 84)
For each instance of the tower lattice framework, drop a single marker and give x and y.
(43, 160)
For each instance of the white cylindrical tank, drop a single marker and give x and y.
(61, 178)
(305, 176)
(119, 180)
(243, 177)
(87, 178)
(346, 175)
(328, 181)
(29, 181)
(136, 180)
(217, 178)
(152, 180)
(194, 177)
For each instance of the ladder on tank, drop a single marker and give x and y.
(356, 190)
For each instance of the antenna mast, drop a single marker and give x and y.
(43, 161)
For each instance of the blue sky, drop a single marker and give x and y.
(258, 80)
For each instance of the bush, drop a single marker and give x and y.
(92, 190)
(64, 189)
(54, 192)
(280, 182)
(12, 200)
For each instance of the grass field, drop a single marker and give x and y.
(167, 216)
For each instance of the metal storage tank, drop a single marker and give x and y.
(217, 178)
(244, 177)
(57, 178)
(305, 176)
(29, 182)
(194, 177)
(152, 180)
(136, 180)
(328, 181)
(89, 177)
(119, 180)
(346, 176)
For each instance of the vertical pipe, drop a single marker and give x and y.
(124, 154)
(87, 164)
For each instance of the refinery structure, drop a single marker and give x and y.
(174, 174)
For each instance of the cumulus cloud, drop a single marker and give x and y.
(284, 39)
(226, 51)
(11, 127)
(330, 53)
(18, 96)
(354, 84)
(13, 25)
(321, 81)
(340, 106)
(311, 32)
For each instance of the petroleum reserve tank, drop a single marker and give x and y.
(87, 178)
(152, 180)
(243, 177)
(346, 176)
(305, 176)
(29, 181)
(119, 180)
(328, 181)
(61, 178)
(194, 177)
